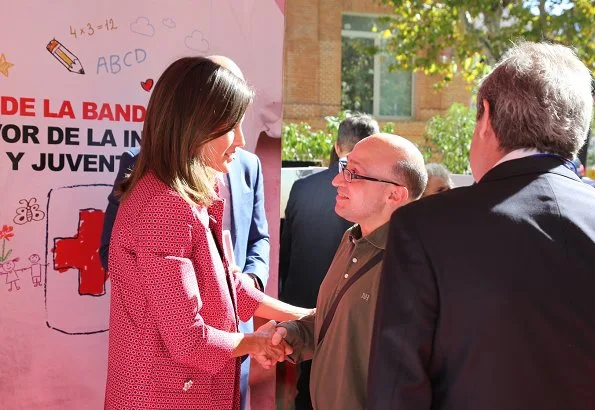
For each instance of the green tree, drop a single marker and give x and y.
(302, 143)
(468, 36)
(357, 74)
(591, 147)
(591, 153)
(448, 138)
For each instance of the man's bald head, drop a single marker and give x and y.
(228, 63)
(397, 159)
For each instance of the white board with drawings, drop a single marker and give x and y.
(74, 84)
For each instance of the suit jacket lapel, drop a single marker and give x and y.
(235, 192)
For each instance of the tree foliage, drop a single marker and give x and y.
(591, 147)
(302, 143)
(448, 138)
(468, 36)
(591, 153)
(357, 74)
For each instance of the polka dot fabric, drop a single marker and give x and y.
(173, 306)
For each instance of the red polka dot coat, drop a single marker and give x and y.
(173, 306)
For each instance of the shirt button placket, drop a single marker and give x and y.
(354, 260)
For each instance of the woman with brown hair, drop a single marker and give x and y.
(175, 301)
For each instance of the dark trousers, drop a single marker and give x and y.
(302, 398)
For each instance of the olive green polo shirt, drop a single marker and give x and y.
(338, 379)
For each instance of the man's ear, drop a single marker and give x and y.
(399, 195)
(485, 122)
(337, 150)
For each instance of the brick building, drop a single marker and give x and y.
(317, 35)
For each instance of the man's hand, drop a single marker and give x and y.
(279, 336)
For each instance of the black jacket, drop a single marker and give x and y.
(487, 296)
(310, 237)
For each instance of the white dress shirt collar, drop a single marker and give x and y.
(517, 154)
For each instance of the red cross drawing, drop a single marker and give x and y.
(82, 252)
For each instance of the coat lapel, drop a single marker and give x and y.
(235, 190)
(215, 225)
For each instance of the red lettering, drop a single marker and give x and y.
(9, 106)
(122, 112)
(47, 112)
(65, 110)
(105, 113)
(139, 113)
(89, 110)
(25, 107)
(114, 112)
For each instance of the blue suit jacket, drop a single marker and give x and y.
(249, 228)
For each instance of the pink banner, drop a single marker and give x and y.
(74, 84)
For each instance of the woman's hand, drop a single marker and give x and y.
(235, 269)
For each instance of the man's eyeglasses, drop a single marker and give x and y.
(350, 175)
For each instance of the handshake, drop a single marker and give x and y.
(269, 345)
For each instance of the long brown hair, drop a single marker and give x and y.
(195, 101)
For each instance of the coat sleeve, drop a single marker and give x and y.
(258, 247)
(405, 323)
(248, 297)
(300, 336)
(164, 246)
(113, 203)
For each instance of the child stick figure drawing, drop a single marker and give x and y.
(36, 269)
(12, 278)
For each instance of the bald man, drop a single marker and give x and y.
(382, 173)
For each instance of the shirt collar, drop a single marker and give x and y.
(517, 154)
(221, 180)
(377, 238)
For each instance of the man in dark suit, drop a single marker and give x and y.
(487, 292)
(312, 232)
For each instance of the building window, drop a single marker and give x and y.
(366, 83)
